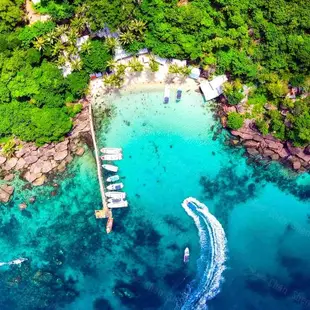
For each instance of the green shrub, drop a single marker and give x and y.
(234, 120)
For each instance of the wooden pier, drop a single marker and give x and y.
(105, 212)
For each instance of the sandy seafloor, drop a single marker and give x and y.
(170, 152)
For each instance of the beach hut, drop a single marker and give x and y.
(212, 89)
(195, 73)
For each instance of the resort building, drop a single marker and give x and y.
(212, 89)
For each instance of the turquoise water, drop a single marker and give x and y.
(170, 152)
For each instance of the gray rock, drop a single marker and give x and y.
(4, 196)
(10, 164)
(47, 167)
(9, 177)
(60, 147)
(2, 160)
(30, 177)
(252, 151)
(251, 143)
(20, 164)
(61, 155)
(80, 151)
(39, 181)
(7, 188)
(31, 159)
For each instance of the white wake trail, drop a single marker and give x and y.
(211, 263)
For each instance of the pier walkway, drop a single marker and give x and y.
(105, 212)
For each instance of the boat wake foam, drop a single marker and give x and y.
(14, 262)
(211, 263)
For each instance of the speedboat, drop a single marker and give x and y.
(186, 255)
(110, 168)
(109, 225)
(113, 178)
(112, 157)
(116, 195)
(121, 204)
(115, 187)
(111, 150)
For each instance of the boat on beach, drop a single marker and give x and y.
(111, 150)
(118, 156)
(116, 195)
(167, 94)
(186, 255)
(110, 168)
(113, 178)
(115, 187)
(179, 94)
(109, 225)
(121, 204)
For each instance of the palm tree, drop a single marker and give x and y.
(137, 26)
(126, 38)
(111, 43)
(86, 47)
(120, 69)
(135, 65)
(40, 43)
(50, 37)
(111, 64)
(81, 10)
(58, 47)
(72, 36)
(60, 30)
(76, 64)
(71, 49)
(154, 66)
(174, 69)
(61, 61)
(113, 80)
(78, 23)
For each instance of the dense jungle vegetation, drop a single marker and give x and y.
(264, 44)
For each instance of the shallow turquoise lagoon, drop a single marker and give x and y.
(170, 152)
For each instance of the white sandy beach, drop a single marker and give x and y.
(140, 80)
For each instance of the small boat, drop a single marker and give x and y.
(110, 168)
(113, 178)
(111, 150)
(121, 204)
(115, 187)
(179, 94)
(186, 255)
(109, 225)
(115, 200)
(116, 195)
(112, 157)
(167, 94)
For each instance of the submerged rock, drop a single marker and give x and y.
(5, 192)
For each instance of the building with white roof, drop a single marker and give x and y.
(214, 88)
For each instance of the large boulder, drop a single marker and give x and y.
(61, 155)
(10, 164)
(30, 177)
(39, 181)
(47, 167)
(6, 192)
(252, 151)
(2, 160)
(21, 163)
(251, 143)
(80, 151)
(31, 159)
(62, 146)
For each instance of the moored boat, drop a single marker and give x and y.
(113, 178)
(110, 168)
(186, 255)
(115, 187)
(112, 157)
(121, 204)
(167, 94)
(179, 94)
(115, 200)
(111, 150)
(116, 195)
(109, 225)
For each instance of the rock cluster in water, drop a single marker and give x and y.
(36, 164)
(271, 148)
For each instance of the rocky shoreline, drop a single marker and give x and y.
(267, 147)
(36, 165)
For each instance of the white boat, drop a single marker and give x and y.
(112, 157)
(186, 255)
(115, 200)
(110, 168)
(111, 150)
(115, 187)
(116, 195)
(113, 178)
(121, 204)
